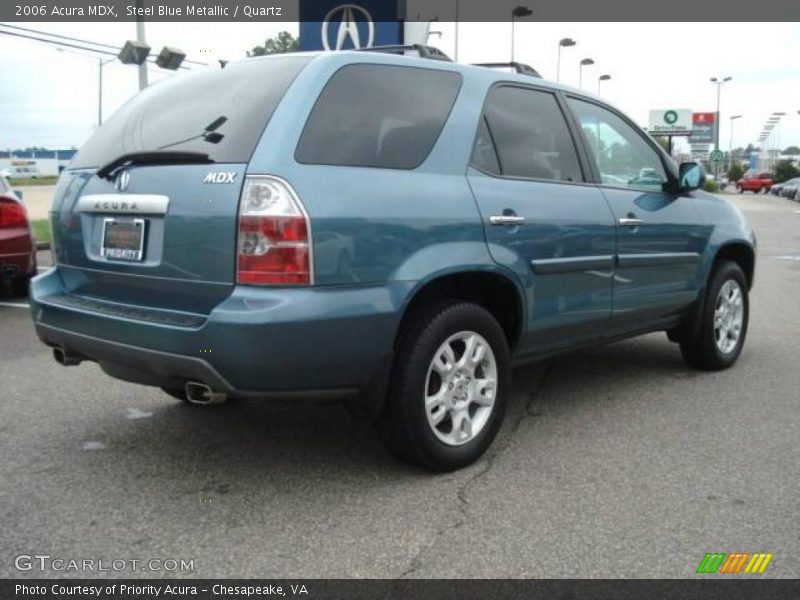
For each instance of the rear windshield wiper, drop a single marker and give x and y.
(154, 157)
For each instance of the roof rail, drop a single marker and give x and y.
(422, 51)
(518, 67)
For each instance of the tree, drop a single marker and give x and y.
(792, 151)
(785, 170)
(736, 171)
(282, 43)
(663, 141)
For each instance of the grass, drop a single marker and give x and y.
(41, 230)
(38, 181)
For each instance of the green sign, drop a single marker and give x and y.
(717, 156)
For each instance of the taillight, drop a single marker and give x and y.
(12, 213)
(274, 246)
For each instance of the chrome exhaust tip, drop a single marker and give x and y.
(200, 393)
(65, 358)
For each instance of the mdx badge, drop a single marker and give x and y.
(220, 177)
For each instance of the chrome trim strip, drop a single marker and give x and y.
(139, 204)
(659, 259)
(552, 266)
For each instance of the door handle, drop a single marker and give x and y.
(506, 220)
(629, 222)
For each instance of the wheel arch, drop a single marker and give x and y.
(742, 254)
(497, 291)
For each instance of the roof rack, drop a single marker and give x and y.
(422, 51)
(518, 67)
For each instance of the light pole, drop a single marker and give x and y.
(719, 83)
(519, 12)
(602, 78)
(584, 63)
(730, 144)
(778, 116)
(100, 64)
(140, 39)
(565, 43)
(455, 54)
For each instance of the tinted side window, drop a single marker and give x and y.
(378, 116)
(530, 135)
(623, 157)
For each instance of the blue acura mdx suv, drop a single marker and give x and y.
(393, 229)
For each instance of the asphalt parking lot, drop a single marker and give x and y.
(617, 461)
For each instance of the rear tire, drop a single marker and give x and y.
(723, 321)
(449, 387)
(19, 286)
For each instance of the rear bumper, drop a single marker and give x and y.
(257, 342)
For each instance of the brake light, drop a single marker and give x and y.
(12, 214)
(274, 246)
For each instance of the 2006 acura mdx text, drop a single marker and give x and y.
(394, 229)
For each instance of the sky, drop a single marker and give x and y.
(50, 97)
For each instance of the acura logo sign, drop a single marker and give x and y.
(123, 179)
(348, 22)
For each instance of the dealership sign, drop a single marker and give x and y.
(337, 25)
(703, 128)
(671, 121)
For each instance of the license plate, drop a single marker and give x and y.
(123, 239)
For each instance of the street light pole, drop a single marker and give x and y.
(778, 116)
(719, 83)
(566, 43)
(456, 48)
(602, 78)
(100, 64)
(730, 144)
(584, 63)
(518, 11)
(140, 38)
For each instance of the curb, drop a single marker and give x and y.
(42, 246)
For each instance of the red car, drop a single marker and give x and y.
(755, 182)
(17, 247)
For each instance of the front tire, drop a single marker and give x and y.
(449, 387)
(723, 322)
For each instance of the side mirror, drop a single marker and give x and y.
(18, 193)
(691, 176)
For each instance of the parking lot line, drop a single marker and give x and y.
(15, 304)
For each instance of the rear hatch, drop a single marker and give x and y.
(146, 215)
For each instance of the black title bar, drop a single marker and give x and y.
(700, 588)
(408, 10)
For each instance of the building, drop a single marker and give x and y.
(47, 162)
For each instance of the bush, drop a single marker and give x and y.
(785, 170)
(736, 172)
(711, 186)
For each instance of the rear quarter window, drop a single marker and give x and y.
(381, 116)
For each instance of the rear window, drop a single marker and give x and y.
(3, 186)
(173, 113)
(378, 116)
